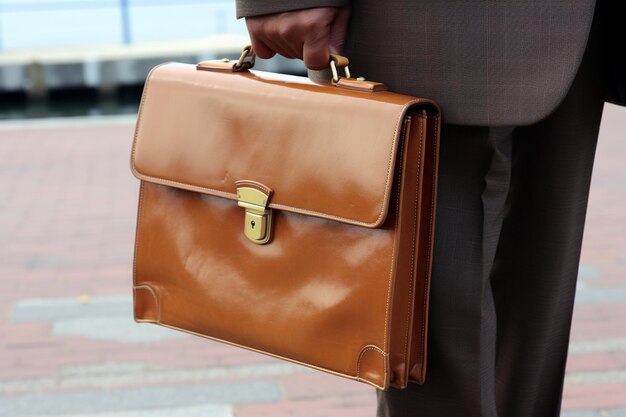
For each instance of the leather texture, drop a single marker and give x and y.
(343, 284)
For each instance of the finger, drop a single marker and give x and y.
(261, 49)
(315, 51)
(279, 38)
(290, 48)
(272, 37)
(289, 34)
(338, 30)
(255, 29)
(276, 45)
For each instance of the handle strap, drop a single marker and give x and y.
(247, 60)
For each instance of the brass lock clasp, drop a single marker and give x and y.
(255, 198)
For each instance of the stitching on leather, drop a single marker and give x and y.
(323, 215)
(154, 296)
(390, 164)
(393, 258)
(188, 187)
(411, 278)
(146, 286)
(144, 96)
(132, 168)
(430, 234)
(358, 362)
(330, 371)
(233, 196)
(254, 184)
(141, 187)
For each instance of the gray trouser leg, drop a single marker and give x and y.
(511, 211)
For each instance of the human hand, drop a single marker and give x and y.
(308, 34)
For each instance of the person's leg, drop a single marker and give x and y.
(517, 370)
(534, 278)
(473, 184)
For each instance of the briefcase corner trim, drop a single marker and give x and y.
(146, 304)
(374, 379)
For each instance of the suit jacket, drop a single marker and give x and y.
(616, 40)
(490, 63)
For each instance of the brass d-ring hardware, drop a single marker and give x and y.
(334, 62)
(242, 64)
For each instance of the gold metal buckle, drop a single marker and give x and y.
(333, 69)
(258, 220)
(242, 64)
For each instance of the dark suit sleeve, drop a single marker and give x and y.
(247, 8)
(616, 41)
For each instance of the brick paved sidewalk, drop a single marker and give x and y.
(69, 347)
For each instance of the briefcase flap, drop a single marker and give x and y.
(324, 151)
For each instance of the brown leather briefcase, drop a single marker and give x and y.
(286, 217)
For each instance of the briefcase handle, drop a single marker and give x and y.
(247, 60)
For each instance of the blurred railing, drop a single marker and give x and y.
(57, 23)
(49, 45)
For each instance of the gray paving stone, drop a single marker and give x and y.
(138, 399)
(598, 346)
(612, 376)
(199, 411)
(616, 412)
(107, 376)
(43, 262)
(586, 272)
(599, 295)
(42, 309)
(581, 413)
(116, 329)
(98, 318)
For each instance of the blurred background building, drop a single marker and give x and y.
(78, 57)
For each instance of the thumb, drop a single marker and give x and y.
(338, 30)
